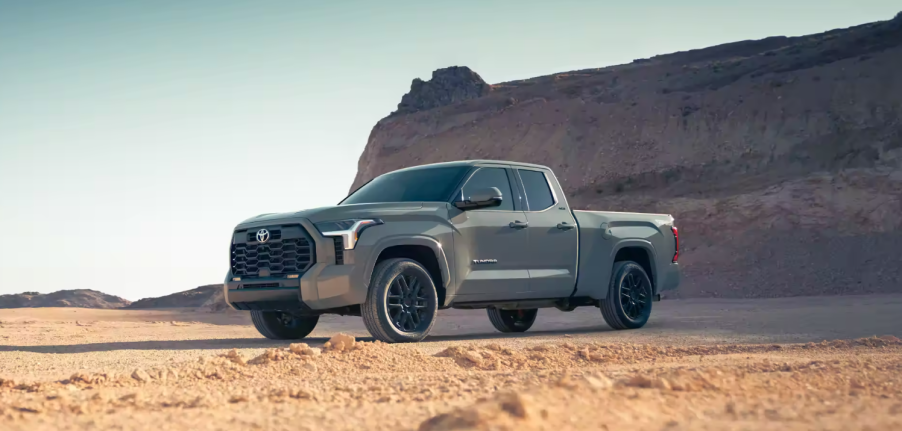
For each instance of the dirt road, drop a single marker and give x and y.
(703, 364)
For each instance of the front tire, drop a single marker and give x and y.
(628, 304)
(277, 325)
(512, 320)
(401, 304)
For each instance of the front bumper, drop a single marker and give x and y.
(325, 285)
(278, 295)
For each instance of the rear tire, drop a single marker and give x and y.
(628, 304)
(401, 304)
(512, 320)
(277, 325)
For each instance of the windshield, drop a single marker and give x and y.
(418, 185)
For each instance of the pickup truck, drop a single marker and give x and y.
(474, 234)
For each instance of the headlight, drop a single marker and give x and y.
(348, 229)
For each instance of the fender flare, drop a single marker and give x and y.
(645, 245)
(418, 240)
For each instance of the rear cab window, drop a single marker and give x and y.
(538, 192)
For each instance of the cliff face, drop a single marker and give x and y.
(779, 158)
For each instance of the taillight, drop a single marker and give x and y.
(676, 243)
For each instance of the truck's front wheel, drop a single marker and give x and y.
(402, 303)
(628, 304)
(277, 325)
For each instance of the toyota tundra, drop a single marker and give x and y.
(488, 235)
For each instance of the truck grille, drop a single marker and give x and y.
(289, 250)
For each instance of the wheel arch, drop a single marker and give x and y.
(632, 247)
(641, 252)
(425, 250)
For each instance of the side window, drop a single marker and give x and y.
(538, 195)
(491, 177)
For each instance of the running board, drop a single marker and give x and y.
(563, 304)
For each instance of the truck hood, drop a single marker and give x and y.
(337, 212)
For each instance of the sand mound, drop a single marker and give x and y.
(375, 357)
(503, 411)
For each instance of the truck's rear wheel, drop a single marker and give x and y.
(277, 325)
(401, 304)
(512, 320)
(628, 304)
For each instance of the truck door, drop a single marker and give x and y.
(553, 236)
(489, 252)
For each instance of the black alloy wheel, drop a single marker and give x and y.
(406, 302)
(402, 303)
(628, 304)
(635, 295)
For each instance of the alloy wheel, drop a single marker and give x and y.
(635, 294)
(407, 303)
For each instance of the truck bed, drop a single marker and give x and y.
(609, 236)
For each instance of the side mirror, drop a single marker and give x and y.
(481, 198)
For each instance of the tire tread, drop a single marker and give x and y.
(499, 324)
(258, 318)
(370, 309)
(609, 305)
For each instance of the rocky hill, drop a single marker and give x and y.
(780, 158)
(82, 298)
(208, 297)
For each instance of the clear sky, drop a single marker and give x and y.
(134, 135)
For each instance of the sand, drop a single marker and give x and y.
(175, 370)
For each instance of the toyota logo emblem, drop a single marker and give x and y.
(262, 235)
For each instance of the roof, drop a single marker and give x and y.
(475, 162)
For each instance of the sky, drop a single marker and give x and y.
(134, 135)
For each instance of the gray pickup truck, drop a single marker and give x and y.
(470, 234)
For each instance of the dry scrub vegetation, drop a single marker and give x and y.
(348, 384)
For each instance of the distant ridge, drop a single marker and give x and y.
(207, 297)
(79, 298)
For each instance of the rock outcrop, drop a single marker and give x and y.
(448, 86)
(780, 158)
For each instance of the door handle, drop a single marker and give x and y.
(565, 226)
(518, 224)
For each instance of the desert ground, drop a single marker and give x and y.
(794, 363)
